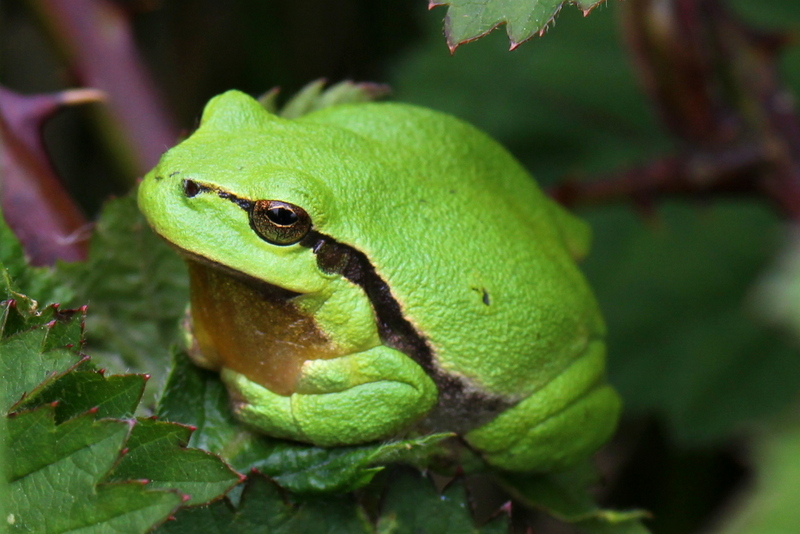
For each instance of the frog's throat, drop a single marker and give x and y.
(251, 327)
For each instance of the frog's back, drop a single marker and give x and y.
(470, 247)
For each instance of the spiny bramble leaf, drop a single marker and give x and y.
(54, 471)
(468, 20)
(58, 453)
(80, 391)
(32, 358)
(157, 452)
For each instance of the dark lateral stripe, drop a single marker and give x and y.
(460, 407)
(393, 328)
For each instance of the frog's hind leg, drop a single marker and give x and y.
(556, 426)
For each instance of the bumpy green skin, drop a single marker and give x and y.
(478, 258)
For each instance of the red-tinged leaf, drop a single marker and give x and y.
(33, 349)
(467, 20)
(71, 426)
(53, 475)
(58, 230)
(157, 451)
(78, 391)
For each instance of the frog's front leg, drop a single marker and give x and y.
(355, 398)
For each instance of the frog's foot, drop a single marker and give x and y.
(350, 399)
(558, 425)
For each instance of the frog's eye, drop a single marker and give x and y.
(279, 223)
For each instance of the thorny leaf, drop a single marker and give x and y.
(467, 20)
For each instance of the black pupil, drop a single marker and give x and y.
(282, 216)
(190, 188)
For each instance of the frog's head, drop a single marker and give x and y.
(245, 192)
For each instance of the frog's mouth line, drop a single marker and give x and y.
(267, 290)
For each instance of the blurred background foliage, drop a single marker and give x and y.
(709, 376)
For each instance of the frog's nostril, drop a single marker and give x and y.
(191, 188)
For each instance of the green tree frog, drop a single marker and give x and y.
(374, 268)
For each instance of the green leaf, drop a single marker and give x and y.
(566, 496)
(777, 294)
(79, 391)
(412, 504)
(35, 349)
(264, 508)
(54, 473)
(4, 461)
(55, 477)
(40, 281)
(770, 505)
(138, 290)
(197, 397)
(312, 97)
(468, 20)
(715, 366)
(157, 452)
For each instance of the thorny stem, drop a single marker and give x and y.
(97, 43)
(715, 83)
(727, 172)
